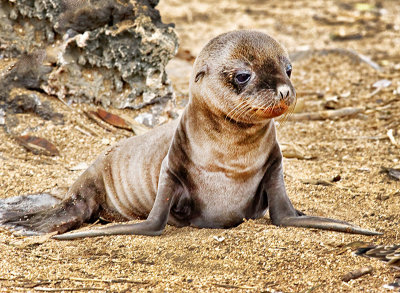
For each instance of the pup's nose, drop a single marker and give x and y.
(284, 92)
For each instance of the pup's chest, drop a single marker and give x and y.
(219, 200)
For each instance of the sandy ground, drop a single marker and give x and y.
(255, 256)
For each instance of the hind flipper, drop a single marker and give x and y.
(43, 213)
(26, 204)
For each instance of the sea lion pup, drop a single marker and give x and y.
(218, 164)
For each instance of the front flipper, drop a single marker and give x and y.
(325, 224)
(167, 194)
(283, 213)
(147, 227)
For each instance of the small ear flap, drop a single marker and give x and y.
(203, 71)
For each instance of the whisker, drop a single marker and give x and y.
(259, 104)
(244, 110)
(237, 114)
(286, 116)
(234, 110)
(263, 103)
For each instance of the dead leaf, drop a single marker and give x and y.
(112, 119)
(353, 246)
(95, 118)
(37, 145)
(185, 54)
(387, 253)
(393, 286)
(392, 172)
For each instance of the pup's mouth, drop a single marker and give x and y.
(272, 111)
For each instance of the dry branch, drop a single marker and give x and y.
(45, 289)
(353, 55)
(86, 128)
(382, 137)
(110, 281)
(234, 286)
(357, 273)
(327, 114)
(83, 131)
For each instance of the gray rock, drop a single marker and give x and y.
(112, 52)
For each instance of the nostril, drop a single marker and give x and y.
(283, 91)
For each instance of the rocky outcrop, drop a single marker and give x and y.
(112, 52)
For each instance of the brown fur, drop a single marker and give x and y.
(219, 164)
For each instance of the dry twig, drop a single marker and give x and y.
(83, 131)
(234, 286)
(353, 55)
(382, 137)
(110, 281)
(327, 114)
(391, 138)
(45, 289)
(357, 273)
(86, 128)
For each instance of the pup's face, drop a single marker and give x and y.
(246, 76)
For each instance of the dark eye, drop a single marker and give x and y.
(241, 78)
(289, 70)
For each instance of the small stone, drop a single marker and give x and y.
(219, 238)
(2, 117)
(146, 119)
(105, 141)
(345, 95)
(382, 197)
(79, 167)
(382, 83)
